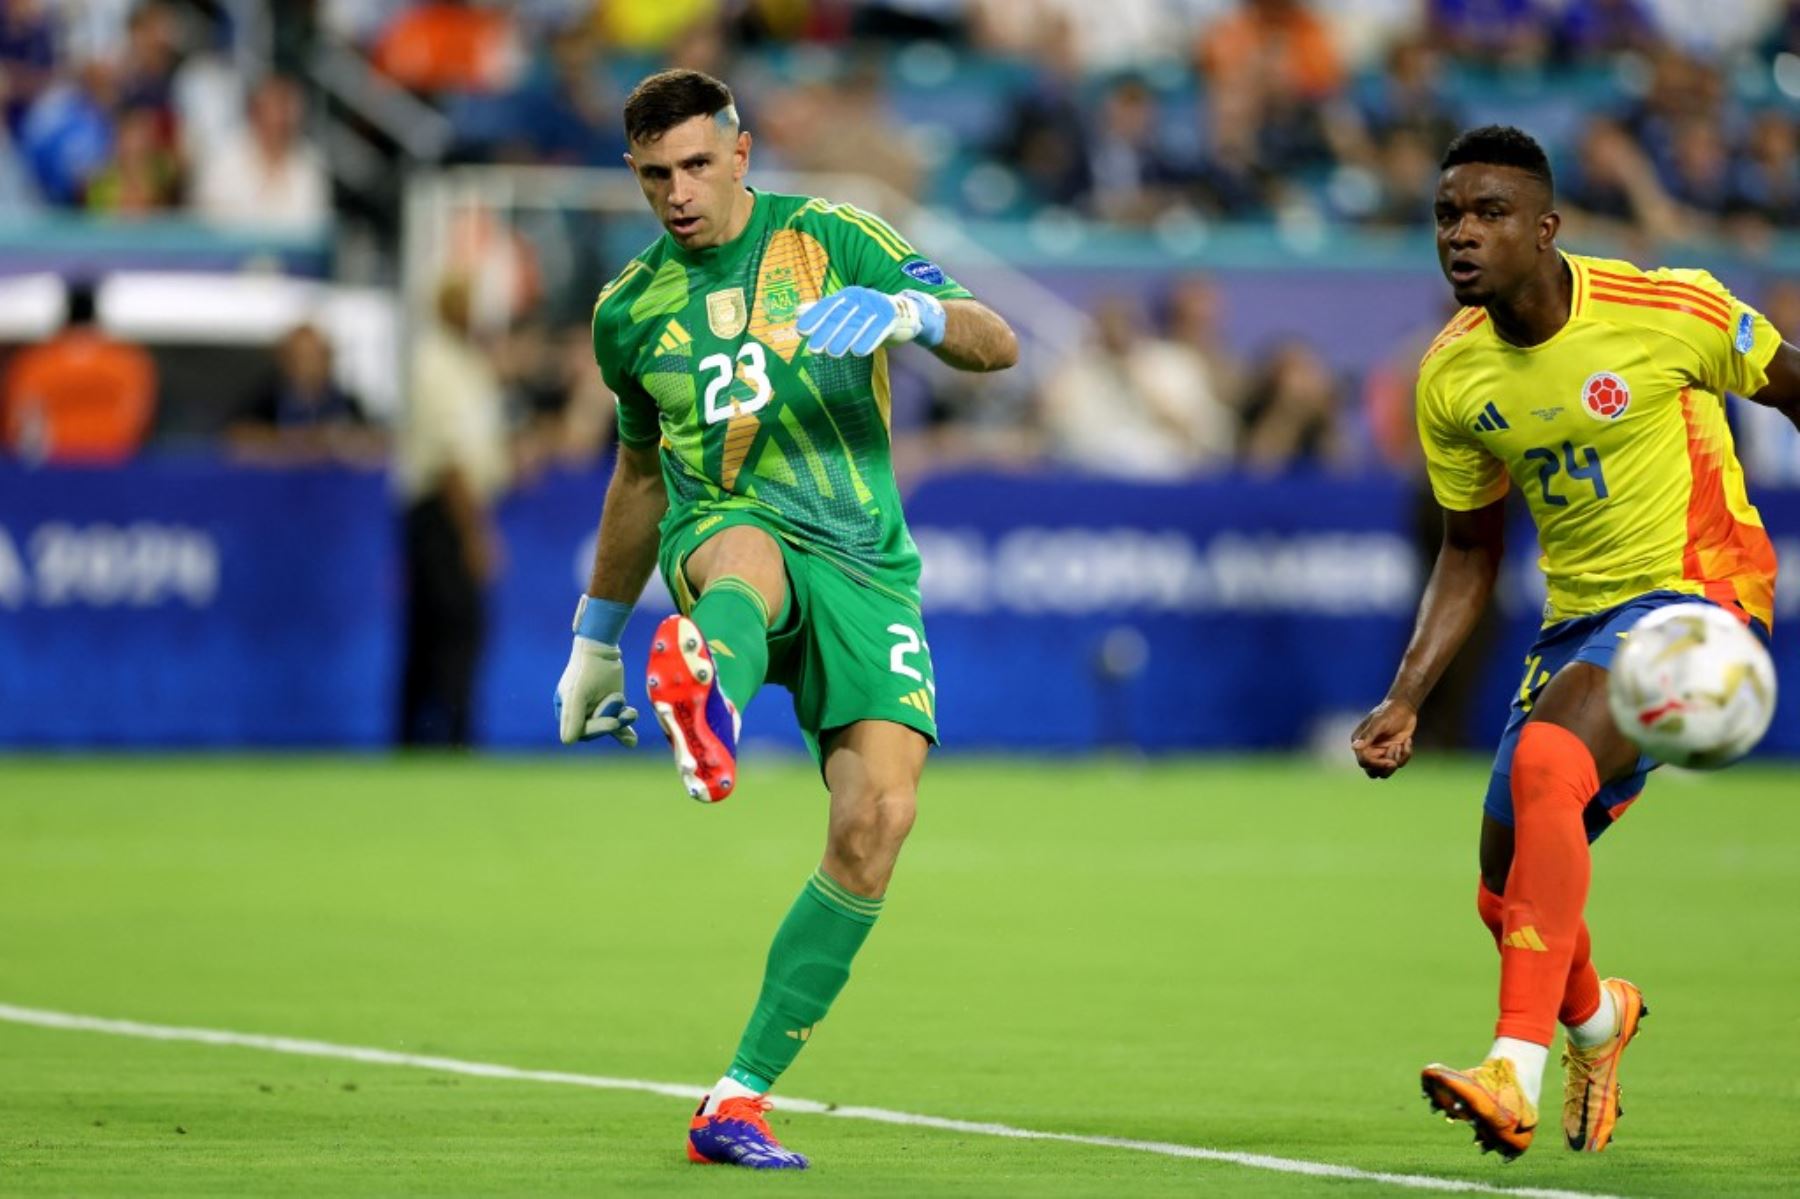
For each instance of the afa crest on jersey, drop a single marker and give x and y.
(781, 295)
(1605, 396)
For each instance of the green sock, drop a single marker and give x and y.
(808, 965)
(733, 618)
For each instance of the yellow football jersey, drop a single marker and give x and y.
(1615, 431)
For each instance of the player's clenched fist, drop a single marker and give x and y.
(1383, 742)
(860, 320)
(590, 696)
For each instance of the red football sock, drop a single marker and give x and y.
(1581, 992)
(1491, 907)
(1553, 778)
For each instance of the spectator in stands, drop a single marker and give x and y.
(1177, 385)
(1191, 320)
(18, 191)
(1123, 405)
(843, 126)
(911, 20)
(302, 416)
(67, 135)
(1765, 179)
(146, 69)
(1274, 64)
(269, 175)
(1292, 414)
(1118, 35)
(1511, 33)
(144, 176)
(1611, 189)
(453, 464)
(1699, 171)
(452, 46)
(653, 26)
(1232, 180)
(27, 58)
(563, 114)
(1280, 44)
(1406, 170)
(563, 412)
(1045, 134)
(1410, 96)
(1682, 89)
(946, 419)
(208, 94)
(1717, 31)
(1134, 177)
(1592, 29)
(80, 397)
(94, 30)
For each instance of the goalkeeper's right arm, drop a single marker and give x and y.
(590, 697)
(635, 502)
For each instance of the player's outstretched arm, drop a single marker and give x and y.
(1467, 565)
(1782, 391)
(590, 697)
(965, 334)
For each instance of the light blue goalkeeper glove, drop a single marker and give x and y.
(590, 696)
(860, 320)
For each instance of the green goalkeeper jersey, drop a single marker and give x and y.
(701, 350)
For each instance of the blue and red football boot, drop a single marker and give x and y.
(701, 724)
(738, 1135)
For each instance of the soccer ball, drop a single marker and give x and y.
(1692, 686)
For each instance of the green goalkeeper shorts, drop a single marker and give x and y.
(848, 651)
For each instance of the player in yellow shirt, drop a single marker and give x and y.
(1598, 389)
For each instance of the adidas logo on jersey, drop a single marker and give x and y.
(1490, 420)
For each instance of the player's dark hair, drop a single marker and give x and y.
(1502, 146)
(668, 98)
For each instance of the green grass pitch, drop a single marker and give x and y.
(1245, 955)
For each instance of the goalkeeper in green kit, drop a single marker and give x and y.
(747, 348)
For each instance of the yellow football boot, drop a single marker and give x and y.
(1490, 1098)
(1591, 1076)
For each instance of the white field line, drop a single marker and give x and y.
(450, 1065)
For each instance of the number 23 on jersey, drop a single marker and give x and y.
(752, 366)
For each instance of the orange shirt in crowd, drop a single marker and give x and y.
(80, 397)
(448, 47)
(1287, 42)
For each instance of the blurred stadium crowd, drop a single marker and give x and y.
(1668, 118)
(1670, 123)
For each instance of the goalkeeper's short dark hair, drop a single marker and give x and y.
(1502, 146)
(668, 98)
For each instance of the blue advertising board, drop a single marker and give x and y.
(1073, 614)
(1067, 614)
(186, 603)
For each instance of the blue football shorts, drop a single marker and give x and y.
(1593, 639)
